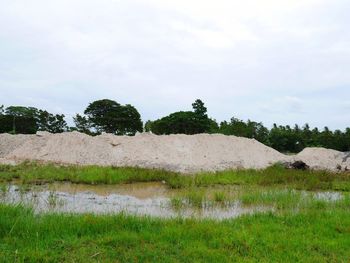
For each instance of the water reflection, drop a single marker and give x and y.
(144, 199)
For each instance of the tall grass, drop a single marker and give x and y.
(272, 176)
(315, 235)
(39, 173)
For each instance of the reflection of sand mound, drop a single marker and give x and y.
(184, 153)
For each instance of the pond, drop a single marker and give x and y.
(143, 199)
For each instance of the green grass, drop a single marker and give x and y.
(42, 173)
(317, 234)
(280, 199)
(220, 197)
(302, 229)
(290, 200)
(272, 176)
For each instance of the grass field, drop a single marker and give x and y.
(318, 234)
(302, 228)
(272, 176)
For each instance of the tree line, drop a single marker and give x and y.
(28, 120)
(112, 117)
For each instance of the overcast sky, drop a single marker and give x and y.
(284, 61)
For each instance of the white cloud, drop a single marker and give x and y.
(160, 55)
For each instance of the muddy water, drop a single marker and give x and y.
(144, 199)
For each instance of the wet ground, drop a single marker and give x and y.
(144, 199)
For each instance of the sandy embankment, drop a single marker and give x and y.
(182, 153)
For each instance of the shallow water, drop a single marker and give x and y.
(144, 199)
(329, 196)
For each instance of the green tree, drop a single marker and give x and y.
(129, 121)
(50, 122)
(199, 108)
(148, 126)
(213, 126)
(12, 124)
(326, 138)
(185, 122)
(82, 124)
(20, 111)
(43, 120)
(347, 139)
(307, 136)
(111, 117)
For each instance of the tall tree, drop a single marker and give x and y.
(38, 119)
(111, 117)
(199, 108)
(82, 124)
(148, 126)
(185, 122)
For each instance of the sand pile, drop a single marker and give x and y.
(182, 153)
(324, 159)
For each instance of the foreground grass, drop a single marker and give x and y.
(314, 235)
(302, 229)
(272, 176)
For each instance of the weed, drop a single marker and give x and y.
(220, 197)
(177, 203)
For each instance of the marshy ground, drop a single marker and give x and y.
(103, 214)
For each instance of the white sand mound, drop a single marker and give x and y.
(182, 153)
(324, 159)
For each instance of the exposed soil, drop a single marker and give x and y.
(181, 153)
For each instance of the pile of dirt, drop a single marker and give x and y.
(182, 153)
(324, 159)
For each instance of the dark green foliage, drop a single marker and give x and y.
(184, 122)
(50, 122)
(286, 139)
(240, 128)
(27, 120)
(148, 126)
(82, 124)
(20, 111)
(199, 108)
(12, 124)
(179, 122)
(213, 126)
(103, 114)
(281, 138)
(111, 117)
(129, 121)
